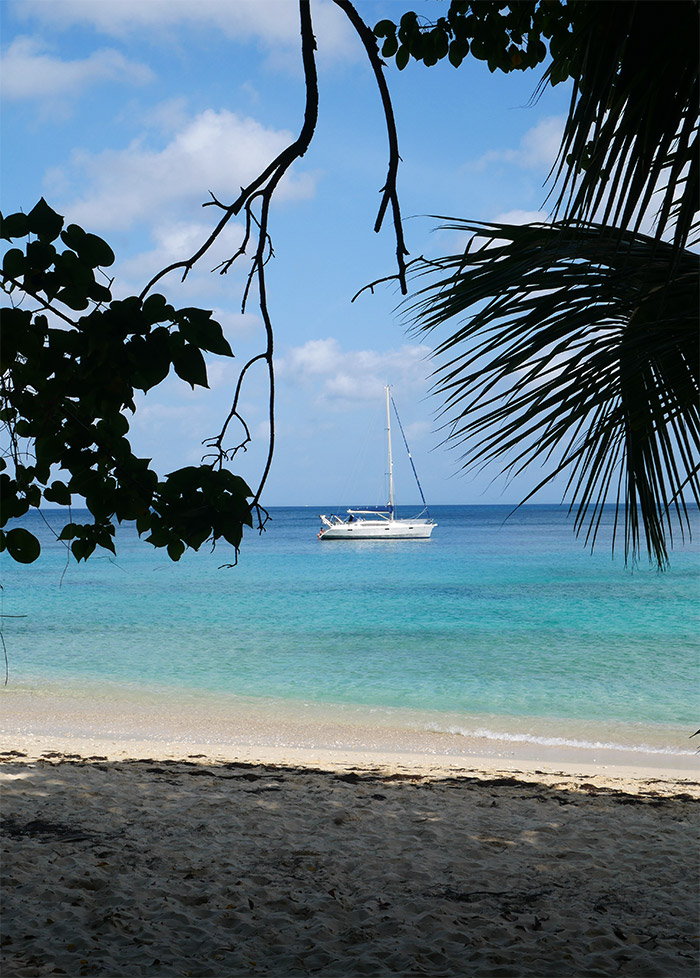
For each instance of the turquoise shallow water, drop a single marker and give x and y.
(492, 622)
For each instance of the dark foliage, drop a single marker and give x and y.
(67, 384)
(575, 355)
(576, 342)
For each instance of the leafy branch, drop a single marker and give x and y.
(66, 384)
(65, 390)
(389, 190)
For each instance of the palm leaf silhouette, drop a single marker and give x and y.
(629, 152)
(574, 350)
(575, 343)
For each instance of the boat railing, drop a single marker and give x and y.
(331, 520)
(384, 513)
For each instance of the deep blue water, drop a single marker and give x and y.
(492, 617)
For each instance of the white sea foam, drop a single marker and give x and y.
(482, 733)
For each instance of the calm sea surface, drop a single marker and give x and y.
(494, 624)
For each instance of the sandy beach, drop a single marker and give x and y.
(125, 857)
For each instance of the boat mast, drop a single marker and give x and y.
(391, 461)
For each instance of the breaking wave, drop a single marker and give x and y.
(483, 733)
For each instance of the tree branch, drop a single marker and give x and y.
(260, 191)
(262, 188)
(217, 442)
(389, 191)
(46, 305)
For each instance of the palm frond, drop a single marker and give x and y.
(630, 145)
(575, 349)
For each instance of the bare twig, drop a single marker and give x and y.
(421, 260)
(389, 191)
(271, 175)
(217, 442)
(224, 266)
(271, 178)
(7, 661)
(261, 190)
(258, 194)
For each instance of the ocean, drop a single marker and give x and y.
(502, 627)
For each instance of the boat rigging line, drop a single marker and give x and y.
(410, 457)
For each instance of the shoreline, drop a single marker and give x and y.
(306, 736)
(571, 776)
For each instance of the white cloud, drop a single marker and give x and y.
(222, 373)
(215, 151)
(28, 70)
(418, 431)
(354, 375)
(122, 17)
(166, 117)
(274, 23)
(521, 217)
(314, 357)
(538, 147)
(176, 241)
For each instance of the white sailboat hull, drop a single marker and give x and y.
(417, 529)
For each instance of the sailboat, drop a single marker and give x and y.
(381, 522)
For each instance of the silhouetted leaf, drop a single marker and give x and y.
(14, 226)
(99, 293)
(73, 298)
(156, 309)
(44, 222)
(176, 549)
(58, 493)
(198, 328)
(14, 263)
(190, 366)
(95, 251)
(40, 254)
(22, 545)
(390, 46)
(82, 548)
(72, 236)
(384, 28)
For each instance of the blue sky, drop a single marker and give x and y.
(124, 114)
